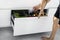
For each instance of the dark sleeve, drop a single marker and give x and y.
(57, 13)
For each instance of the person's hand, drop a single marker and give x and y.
(41, 11)
(36, 7)
(41, 14)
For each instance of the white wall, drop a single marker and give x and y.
(25, 3)
(7, 5)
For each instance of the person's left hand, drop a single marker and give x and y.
(36, 7)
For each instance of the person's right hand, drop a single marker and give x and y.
(41, 13)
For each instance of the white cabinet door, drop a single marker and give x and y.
(5, 18)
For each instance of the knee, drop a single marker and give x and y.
(55, 20)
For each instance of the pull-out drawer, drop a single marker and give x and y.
(29, 25)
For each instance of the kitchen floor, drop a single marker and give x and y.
(7, 34)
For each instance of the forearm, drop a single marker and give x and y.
(43, 4)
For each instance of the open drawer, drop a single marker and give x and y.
(30, 25)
